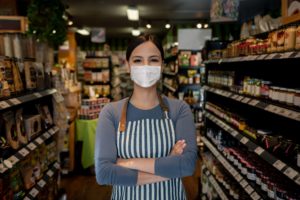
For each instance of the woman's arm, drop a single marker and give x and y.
(146, 178)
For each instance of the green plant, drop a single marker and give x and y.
(46, 21)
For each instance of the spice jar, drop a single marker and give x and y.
(280, 40)
(297, 40)
(265, 89)
(289, 38)
(274, 94)
(297, 98)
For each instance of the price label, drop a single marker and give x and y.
(31, 146)
(41, 183)
(47, 135)
(259, 150)
(51, 131)
(2, 168)
(246, 100)
(207, 173)
(56, 165)
(240, 98)
(244, 140)
(235, 96)
(271, 56)
(15, 101)
(249, 189)
(34, 192)
(55, 128)
(253, 102)
(50, 173)
(4, 104)
(243, 183)
(39, 140)
(26, 198)
(255, 196)
(58, 97)
(298, 117)
(238, 177)
(279, 165)
(298, 180)
(298, 55)
(36, 94)
(24, 152)
(286, 54)
(291, 173)
(261, 57)
(234, 133)
(13, 160)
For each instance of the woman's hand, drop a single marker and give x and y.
(178, 148)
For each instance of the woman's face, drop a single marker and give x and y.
(145, 54)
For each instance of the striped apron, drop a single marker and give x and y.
(147, 138)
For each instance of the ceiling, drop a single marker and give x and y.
(111, 14)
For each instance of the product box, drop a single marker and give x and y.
(32, 125)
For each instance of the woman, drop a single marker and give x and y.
(145, 143)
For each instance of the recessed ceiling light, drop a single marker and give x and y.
(83, 31)
(168, 26)
(54, 31)
(133, 13)
(135, 32)
(70, 22)
(148, 26)
(199, 25)
(205, 25)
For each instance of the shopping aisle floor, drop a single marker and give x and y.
(86, 188)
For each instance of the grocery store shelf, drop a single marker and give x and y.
(272, 56)
(272, 108)
(215, 184)
(170, 58)
(26, 98)
(170, 73)
(237, 176)
(33, 193)
(25, 151)
(169, 87)
(190, 67)
(276, 163)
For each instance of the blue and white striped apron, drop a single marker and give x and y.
(148, 138)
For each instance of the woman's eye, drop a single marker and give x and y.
(154, 60)
(137, 61)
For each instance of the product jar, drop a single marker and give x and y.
(265, 89)
(282, 92)
(289, 38)
(274, 94)
(251, 173)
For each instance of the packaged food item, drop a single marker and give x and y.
(32, 125)
(297, 45)
(10, 129)
(16, 41)
(40, 76)
(30, 74)
(27, 173)
(16, 184)
(4, 87)
(22, 137)
(9, 75)
(18, 84)
(36, 165)
(8, 51)
(280, 40)
(289, 38)
(45, 116)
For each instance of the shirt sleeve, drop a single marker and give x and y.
(184, 164)
(107, 172)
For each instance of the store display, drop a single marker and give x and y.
(20, 127)
(32, 125)
(46, 117)
(90, 108)
(30, 74)
(10, 129)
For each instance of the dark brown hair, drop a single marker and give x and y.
(140, 40)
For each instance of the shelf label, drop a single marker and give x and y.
(41, 183)
(246, 100)
(255, 196)
(47, 135)
(26, 198)
(279, 165)
(235, 96)
(261, 57)
(244, 140)
(56, 165)
(31, 146)
(238, 177)
(58, 97)
(2, 168)
(297, 56)
(39, 140)
(249, 189)
(51, 131)
(24, 152)
(286, 54)
(50, 173)
(15, 101)
(298, 180)
(259, 150)
(34, 192)
(253, 102)
(243, 183)
(291, 173)
(13, 160)
(240, 98)
(4, 104)
(36, 94)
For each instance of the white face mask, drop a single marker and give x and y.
(145, 76)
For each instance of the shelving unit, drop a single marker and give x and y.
(249, 189)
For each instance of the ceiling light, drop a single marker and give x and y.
(70, 23)
(132, 13)
(199, 25)
(54, 31)
(205, 25)
(135, 32)
(168, 26)
(83, 31)
(148, 26)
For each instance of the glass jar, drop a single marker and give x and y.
(275, 93)
(257, 85)
(282, 92)
(289, 38)
(265, 89)
(297, 98)
(297, 40)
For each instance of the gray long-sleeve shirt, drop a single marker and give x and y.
(107, 172)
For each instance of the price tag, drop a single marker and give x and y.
(253, 102)
(41, 183)
(4, 104)
(298, 180)
(249, 189)
(13, 160)
(235, 96)
(26, 198)
(55, 128)
(261, 57)
(243, 183)
(58, 97)
(31, 146)
(244, 140)
(279, 165)
(255, 196)
(15, 101)
(39, 140)
(47, 135)
(2, 168)
(234, 133)
(298, 117)
(286, 54)
(24, 152)
(298, 55)
(34, 192)
(50, 173)
(51, 131)
(271, 56)
(291, 173)
(246, 100)
(56, 165)
(36, 94)
(240, 98)
(259, 150)
(238, 177)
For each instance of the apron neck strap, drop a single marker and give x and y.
(122, 125)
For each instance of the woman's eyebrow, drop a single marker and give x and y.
(137, 57)
(154, 56)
